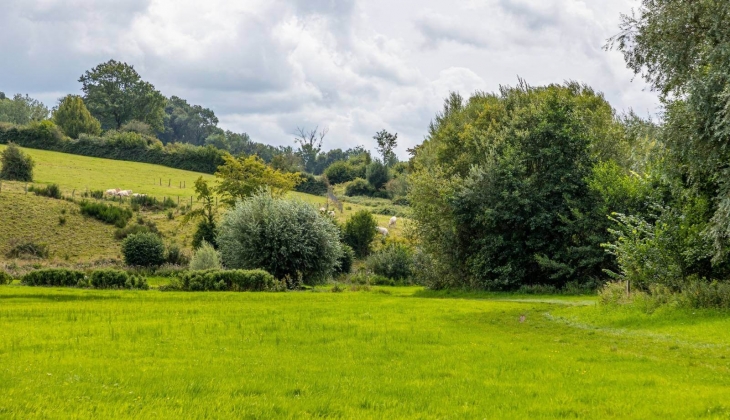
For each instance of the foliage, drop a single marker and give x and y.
(340, 172)
(28, 248)
(152, 203)
(387, 143)
(55, 277)
(311, 185)
(346, 261)
(5, 278)
(205, 230)
(240, 178)
(115, 93)
(222, 280)
(21, 109)
(359, 187)
(287, 238)
(187, 123)
(377, 174)
(175, 255)
(143, 250)
(500, 192)
(51, 191)
(395, 262)
(107, 213)
(205, 258)
(132, 229)
(16, 165)
(73, 118)
(116, 279)
(359, 232)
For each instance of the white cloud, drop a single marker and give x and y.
(269, 66)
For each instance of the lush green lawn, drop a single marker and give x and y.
(380, 354)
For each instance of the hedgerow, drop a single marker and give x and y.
(226, 280)
(107, 213)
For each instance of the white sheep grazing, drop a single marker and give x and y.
(112, 191)
(322, 210)
(139, 195)
(124, 193)
(382, 230)
(392, 222)
(331, 213)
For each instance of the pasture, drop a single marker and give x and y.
(385, 353)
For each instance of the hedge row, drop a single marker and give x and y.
(99, 279)
(226, 280)
(128, 146)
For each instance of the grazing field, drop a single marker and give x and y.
(388, 353)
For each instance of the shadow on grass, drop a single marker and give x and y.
(572, 300)
(59, 297)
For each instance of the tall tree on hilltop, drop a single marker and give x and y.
(115, 93)
(74, 119)
(386, 147)
(310, 144)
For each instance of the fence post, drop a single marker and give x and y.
(26, 189)
(169, 182)
(1, 186)
(178, 201)
(73, 193)
(160, 181)
(191, 203)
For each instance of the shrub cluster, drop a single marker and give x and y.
(359, 232)
(144, 227)
(5, 278)
(14, 164)
(99, 279)
(311, 185)
(394, 262)
(205, 258)
(151, 203)
(51, 191)
(226, 280)
(143, 250)
(28, 248)
(130, 146)
(107, 213)
(359, 186)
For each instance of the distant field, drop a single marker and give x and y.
(390, 353)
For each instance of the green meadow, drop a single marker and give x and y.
(386, 353)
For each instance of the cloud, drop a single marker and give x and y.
(269, 66)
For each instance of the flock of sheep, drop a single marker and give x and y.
(116, 192)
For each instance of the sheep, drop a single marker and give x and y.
(382, 231)
(124, 193)
(392, 222)
(331, 213)
(112, 191)
(322, 210)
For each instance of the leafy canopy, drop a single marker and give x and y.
(16, 165)
(74, 119)
(244, 176)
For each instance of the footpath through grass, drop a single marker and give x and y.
(117, 354)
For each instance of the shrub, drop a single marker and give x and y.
(51, 191)
(346, 261)
(176, 255)
(340, 172)
(703, 294)
(16, 165)
(98, 194)
(28, 248)
(288, 238)
(116, 279)
(107, 213)
(613, 293)
(311, 185)
(357, 187)
(205, 258)
(149, 227)
(144, 250)
(205, 232)
(55, 277)
(232, 280)
(395, 261)
(359, 232)
(5, 278)
(377, 174)
(153, 204)
(73, 118)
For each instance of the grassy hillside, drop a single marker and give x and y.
(114, 354)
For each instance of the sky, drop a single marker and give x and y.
(268, 67)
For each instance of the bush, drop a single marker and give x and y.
(346, 261)
(359, 232)
(5, 278)
(98, 194)
(55, 277)
(74, 119)
(151, 203)
(116, 279)
(613, 293)
(377, 175)
(311, 185)
(176, 255)
(205, 232)
(52, 191)
(395, 261)
(226, 280)
(28, 248)
(107, 213)
(288, 238)
(205, 258)
(149, 227)
(16, 165)
(340, 172)
(357, 187)
(703, 294)
(144, 250)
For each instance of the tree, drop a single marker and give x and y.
(340, 172)
(243, 177)
(377, 174)
(310, 144)
(206, 229)
(185, 123)
(22, 110)
(359, 232)
(287, 238)
(143, 250)
(16, 165)
(386, 145)
(115, 93)
(74, 119)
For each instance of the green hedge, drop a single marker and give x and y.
(107, 213)
(311, 185)
(99, 279)
(222, 280)
(115, 145)
(5, 278)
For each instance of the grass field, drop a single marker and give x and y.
(388, 353)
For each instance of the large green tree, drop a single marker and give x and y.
(187, 123)
(74, 119)
(387, 143)
(115, 93)
(21, 109)
(239, 178)
(500, 189)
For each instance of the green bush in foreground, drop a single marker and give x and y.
(16, 165)
(226, 280)
(394, 262)
(117, 279)
(5, 278)
(205, 258)
(359, 232)
(55, 277)
(143, 250)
